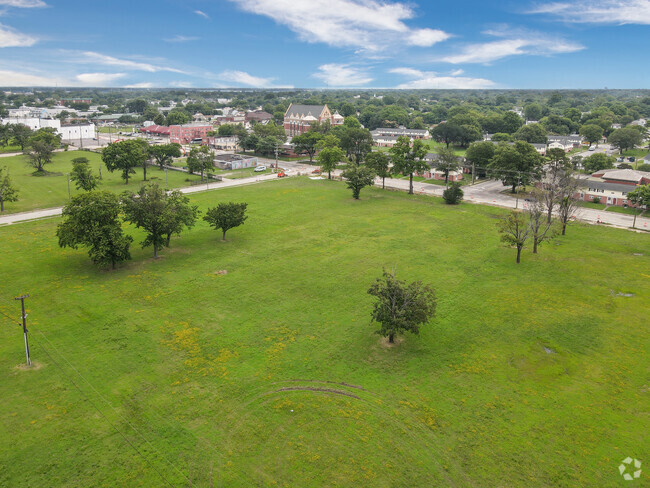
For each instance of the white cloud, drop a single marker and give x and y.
(144, 84)
(179, 38)
(98, 79)
(243, 78)
(513, 43)
(181, 84)
(14, 78)
(457, 72)
(368, 25)
(11, 38)
(126, 63)
(202, 14)
(334, 74)
(599, 11)
(23, 3)
(430, 79)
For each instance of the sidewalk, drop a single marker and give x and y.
(54, 211)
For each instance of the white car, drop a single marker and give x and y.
(592, 148)
(260, 168)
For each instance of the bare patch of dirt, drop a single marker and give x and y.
(221, 272)
(383, 342)
(23, 367)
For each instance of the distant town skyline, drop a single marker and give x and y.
(325, 43)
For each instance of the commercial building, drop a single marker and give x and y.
(183, 134)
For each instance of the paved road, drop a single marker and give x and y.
(52, 212)
(486, 192)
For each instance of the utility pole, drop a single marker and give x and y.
(276, 158)
(22, 302)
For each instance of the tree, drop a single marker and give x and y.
(567, 203)
(268, 145)
(225, 216)
(625, 138)
(8, 192)
(328, 158)
(409, 159)
(532, 133)
(124, 156)
(514, 231)
(379, 162)
(21, 134)
(453, 195)
(40, 147)
(355, 141)
(400, 306)
(307, 143)
(148, 210)
(480, 154)
(597, 162)
(82, 175)
(138, 105)
(538, 225)
(179, 214)
(92, 220)
(533, 111)
(163, 154)
(591, 132)
(639, 197)
(159, 119)
(177, 117)
(250, 142)
(511, 122)
(447, 133)
(200, 160)
(518, 164)
(358, 177)
(447, 162)
(559, 168)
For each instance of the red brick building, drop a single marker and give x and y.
(183, 134)
(611, 186)
(298, 118)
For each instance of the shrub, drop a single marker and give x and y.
(453, 195)
(596, 200)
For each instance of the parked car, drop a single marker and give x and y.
(592, 148)
(281, 174)
(260, 168)
(631, 159)
(316, 171)
(621, 159)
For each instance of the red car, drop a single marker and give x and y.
(281, 174)
(316, 171)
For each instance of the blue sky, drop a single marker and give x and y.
(325, 43)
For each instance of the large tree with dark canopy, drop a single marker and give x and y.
(408, 158)
(92, 220)
(124, 156)
(226, 216)
(517, 164)
(401, 306)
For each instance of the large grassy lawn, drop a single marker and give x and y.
(52, 190)
(252, 362)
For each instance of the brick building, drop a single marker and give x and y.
(298, 118)
(183, 134)
(611, 186)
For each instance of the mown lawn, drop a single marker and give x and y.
(51, 190)
(252, 362)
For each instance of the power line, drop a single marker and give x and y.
(102, 414)
(109, 404)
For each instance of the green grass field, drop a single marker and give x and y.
(52, 190)
(252, 362)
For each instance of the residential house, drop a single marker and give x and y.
(612, 186)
